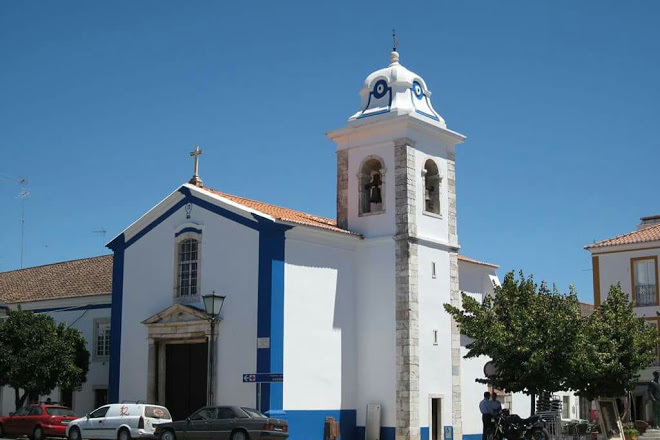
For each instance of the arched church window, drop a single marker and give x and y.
(371, 181)
(431, 177)
(188, 267)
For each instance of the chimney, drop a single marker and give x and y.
(648, 221)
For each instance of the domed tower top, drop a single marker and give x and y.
(394, 91)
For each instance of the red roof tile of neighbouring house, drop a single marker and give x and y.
(283, 214)
(650, 233)
(67, 279)
(472, 260)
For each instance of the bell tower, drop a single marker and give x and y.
(396, 186)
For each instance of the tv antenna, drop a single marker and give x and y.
(102, 233)
(24, 194)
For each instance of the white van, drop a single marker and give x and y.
(121, 421)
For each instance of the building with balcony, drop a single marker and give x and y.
(631, 260)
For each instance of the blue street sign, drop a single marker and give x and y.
(263, 377)
(449, 432)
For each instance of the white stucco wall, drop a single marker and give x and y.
(376, 329)
(229, 265)
(435, 369)
(320, 356)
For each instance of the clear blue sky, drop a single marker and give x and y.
(100, 103)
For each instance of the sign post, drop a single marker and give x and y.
(259, 378)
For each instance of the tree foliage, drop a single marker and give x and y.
(613, 348)
(540, 342)
(527, 330)
(38, 355)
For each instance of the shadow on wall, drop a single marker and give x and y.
(310, 424)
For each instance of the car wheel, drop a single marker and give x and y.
(124, 434)
(74, 433)
(239, 435)
(38, 433)
(168, 434)
(2, 431)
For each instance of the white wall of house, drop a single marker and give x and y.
(229, 265)
(83, 319)
(376, 329)
(435, 368)
(320, 352)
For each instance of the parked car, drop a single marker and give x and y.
(224, 423)
(121, 421)
(37, 421)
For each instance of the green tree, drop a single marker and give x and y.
(613, 348)
(38, 355)
(529, 331)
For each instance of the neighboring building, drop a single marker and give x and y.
(76, 292)
(350, 311)
(632, 260)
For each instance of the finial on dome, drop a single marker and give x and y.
(394, 58)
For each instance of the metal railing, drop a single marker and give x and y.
(645, 295)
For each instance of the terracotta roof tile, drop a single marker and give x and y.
(650, 233)
(472, 260)
(68, 279)
(284, 214)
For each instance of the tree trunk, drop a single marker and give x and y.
(533, 402)
(18, 399)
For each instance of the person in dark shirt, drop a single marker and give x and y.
(486, 417)
(654, 396)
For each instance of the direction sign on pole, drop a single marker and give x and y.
(263, 377)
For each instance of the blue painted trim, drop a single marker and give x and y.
(189, 198)
(386, 433)
(424, 433)
(270, 312)
(372, 93)
(118, 245)
(310, 424)
(73, 309)
(472, 436)
(414, 95)
(435, 118)
(270, 306)
(188, 229)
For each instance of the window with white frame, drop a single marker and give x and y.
(187, 267)
(101, 338)
(644, 281)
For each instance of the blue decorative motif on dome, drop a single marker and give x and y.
(418, 94)
(417, 90)
(380, 88)
(380, 100)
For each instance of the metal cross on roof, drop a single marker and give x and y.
(195, 178)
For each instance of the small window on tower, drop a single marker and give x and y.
(371, 180)
(431, 187)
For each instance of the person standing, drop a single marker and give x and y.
(495, 405)
(486, 417)
(654, 396)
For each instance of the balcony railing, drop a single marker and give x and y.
(645, 295)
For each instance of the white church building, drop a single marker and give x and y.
(350, 310)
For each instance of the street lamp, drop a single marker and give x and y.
(213, 304)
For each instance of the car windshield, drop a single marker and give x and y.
(254, 413)
(156, 412)
(55, 411)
